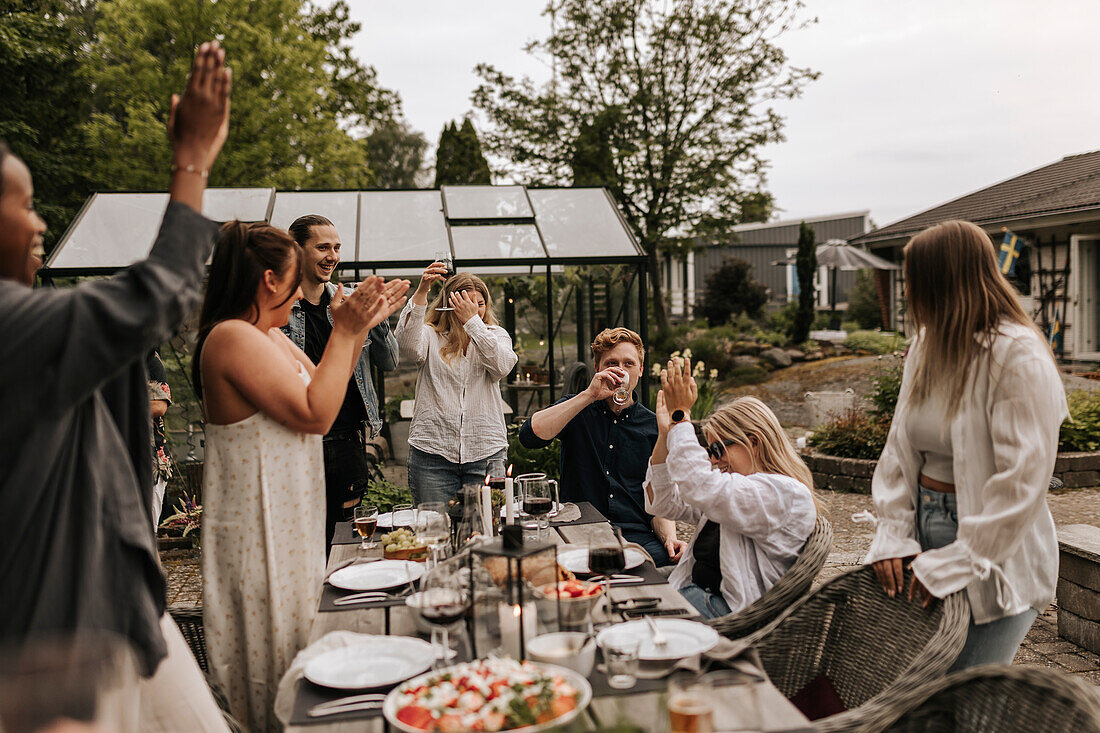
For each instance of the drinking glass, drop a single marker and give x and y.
(518, 485)
(403, 515)
(605, 558)
(620, 656)
(538, 501)
(622, 393)
(366, 522)
(690, 703)
(443, 603)
(448, 262)
(433, 528)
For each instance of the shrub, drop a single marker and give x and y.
(852, 435)
(1082, 430)
(384, 495)
(876, 342)
(863, 306)
(731, 290)
(746, 374)
(533, 460)
(887, 381)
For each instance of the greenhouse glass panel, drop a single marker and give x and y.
(245, 204)
(580, 222)
(498, 241)
(486, 202)
(413, 274)
(339, 207)
(114, 230)
(401, 225)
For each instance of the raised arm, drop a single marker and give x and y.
(545, 424)
(412, 332)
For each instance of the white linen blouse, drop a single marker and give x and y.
(459, 413)
(764, 519)
(1004, 440)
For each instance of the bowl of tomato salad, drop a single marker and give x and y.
(488, 695)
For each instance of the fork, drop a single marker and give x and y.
(347, 705)
(367, 597)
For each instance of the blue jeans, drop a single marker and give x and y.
(710, 605)
(995, 642)
(652, 544)
(434, 478)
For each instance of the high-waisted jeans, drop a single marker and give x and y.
(997, 641)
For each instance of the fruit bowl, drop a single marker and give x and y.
(577, 598)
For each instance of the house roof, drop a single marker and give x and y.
(1068, 185)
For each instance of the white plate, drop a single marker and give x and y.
(576, 681)
(519, 509)
(377, 575)
(685, 638)
(405, 519)
(576, 560)
(376, 662)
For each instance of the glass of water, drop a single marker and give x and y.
(621, 659)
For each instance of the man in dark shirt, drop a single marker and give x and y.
(310, 325)
(605, 447)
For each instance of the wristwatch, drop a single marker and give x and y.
(678, 415)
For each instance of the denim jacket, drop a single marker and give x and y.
(383, 353)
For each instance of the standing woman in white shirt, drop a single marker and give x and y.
(961, 484)
(748, 493)
(462, 354)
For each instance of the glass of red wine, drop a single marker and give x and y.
(443, 603)
(444, 258)
(538, 500)
(605, 558)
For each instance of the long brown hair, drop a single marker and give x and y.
(241, 256)
(446, 323)
(751, 424)
(956, 295)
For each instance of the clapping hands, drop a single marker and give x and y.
(368, 305)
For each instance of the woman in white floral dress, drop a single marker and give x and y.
(267, 407)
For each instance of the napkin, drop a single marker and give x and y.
(284, 698)
(569, 512)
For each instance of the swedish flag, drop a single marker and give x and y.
(1009, 254)
(1055, 334)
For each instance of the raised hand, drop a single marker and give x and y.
(664, 418)
(605, 383)
(198, 121)
(678, 385)
(432, 273)
(464, 304)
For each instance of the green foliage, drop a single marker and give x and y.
(532, 460)
(772, 338)
(396, 154)
(674, 98)
(876, 342)
(852, 435)
(887, 386)
(1082, 431)
(746, 374)
(805, 265)
(391, 412)
(863, 305)
(731, 291)
(384, 494)
(458, 159)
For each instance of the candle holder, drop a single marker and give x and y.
(508, 609)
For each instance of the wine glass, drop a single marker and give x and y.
(445, 258)
(402, 516)
(433, 528)
(443, 602)
(538, 500)
(366, 522)
(622, 393)
(605, 558)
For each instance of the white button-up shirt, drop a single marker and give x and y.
(459, 414)
(763, 519)
(1004, 439)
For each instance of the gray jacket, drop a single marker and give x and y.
(379, 348)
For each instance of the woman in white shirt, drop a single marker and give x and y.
(961, 484)
(458, 420)
(748, 493)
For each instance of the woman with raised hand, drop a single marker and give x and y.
(961, 484)
(77, 553)
(458, 422)
(267, 407)
(748, 493)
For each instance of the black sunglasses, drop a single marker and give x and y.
(718, 448)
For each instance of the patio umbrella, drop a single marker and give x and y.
(836, 254)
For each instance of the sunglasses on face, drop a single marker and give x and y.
(718, 448)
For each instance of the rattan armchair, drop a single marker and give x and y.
(189, 621)
(1000, 698)
(869, 648)
(792, 585)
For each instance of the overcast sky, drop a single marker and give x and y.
(917, 103)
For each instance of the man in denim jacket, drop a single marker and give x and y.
(346, 469)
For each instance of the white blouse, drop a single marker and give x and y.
(459, 414)
(764, 519)
(1004, 440)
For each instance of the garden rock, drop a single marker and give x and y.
(745, 360)
(752, 348)
(776, 357)
(796, 355)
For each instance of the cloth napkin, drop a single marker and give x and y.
(284, 698)
(569, 512)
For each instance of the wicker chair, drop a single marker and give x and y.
(789, 588)
(189, 621)
(997, 698)
(871, 649)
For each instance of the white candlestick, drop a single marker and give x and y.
(509, 616)
(487, 511)
(509, 501)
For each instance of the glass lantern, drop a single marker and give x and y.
(509, 585)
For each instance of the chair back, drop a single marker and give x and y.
(189, 621)
(864, 647)
(791, 586)
(996, 697)
(576, 378)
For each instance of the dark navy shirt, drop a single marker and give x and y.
(603, 461)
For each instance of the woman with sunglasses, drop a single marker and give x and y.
(748, 493)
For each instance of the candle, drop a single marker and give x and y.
(510, 616)
(487, 510)
(509, 499)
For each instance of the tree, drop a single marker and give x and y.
(46, 91)
(731, 291)
(689, 85)
(396, 155)
(805, 266)
(459, 160)
(302, 104)
(863, 306)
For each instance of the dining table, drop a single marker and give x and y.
(642, 708)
